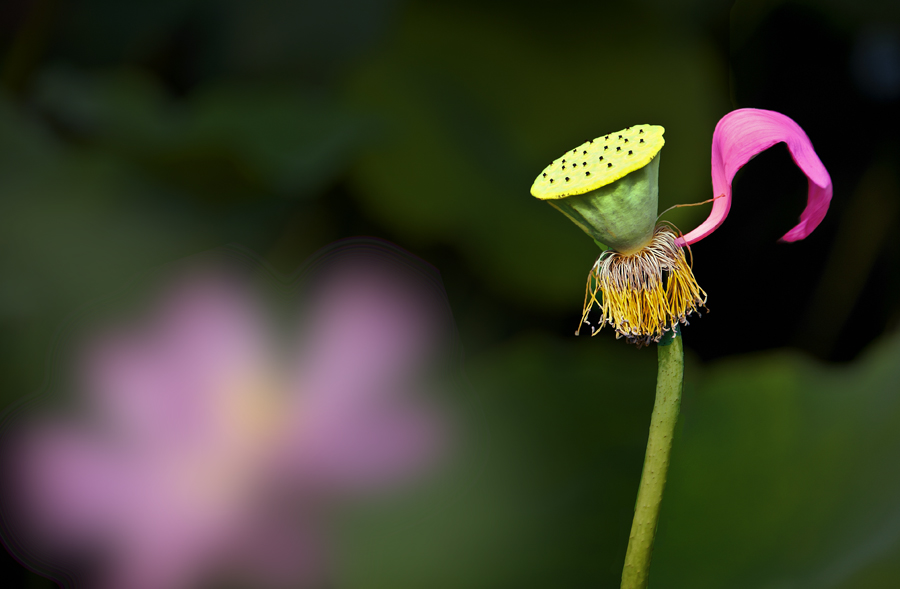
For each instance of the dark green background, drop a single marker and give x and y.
(134, 134)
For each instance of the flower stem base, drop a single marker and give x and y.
(645, 294)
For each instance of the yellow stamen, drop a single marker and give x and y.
(635, 301)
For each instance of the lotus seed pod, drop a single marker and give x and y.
(608, 186)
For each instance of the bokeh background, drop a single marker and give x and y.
(135, 134)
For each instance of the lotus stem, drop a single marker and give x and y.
(636, 572)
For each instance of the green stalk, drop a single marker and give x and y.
(636, 573)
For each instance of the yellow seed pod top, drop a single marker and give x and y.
(599, 162)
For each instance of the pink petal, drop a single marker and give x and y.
(741, 135)
(171, 561)
(371, 329)
(366, 450)
(278, 551)
(159, 382)
(172, 531)
(68, 484)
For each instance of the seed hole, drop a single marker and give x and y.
(567, 178)
(618, 149)
(601, 158)
(551, 180)
(626, 141)
(642, 140)
(608, 165)
(587, 173)
(629, 152)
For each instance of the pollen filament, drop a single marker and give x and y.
(636, 298)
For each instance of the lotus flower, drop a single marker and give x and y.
(738, 138)
(202, 451)
(608, 187)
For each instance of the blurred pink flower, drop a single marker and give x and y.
(741, 135)
(199, 453)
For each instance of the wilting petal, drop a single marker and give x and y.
(741, 135)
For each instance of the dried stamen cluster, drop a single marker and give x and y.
(636, 301)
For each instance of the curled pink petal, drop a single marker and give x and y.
(741, 135)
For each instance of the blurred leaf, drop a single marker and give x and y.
(295, 142)
(240, 140)
(315, 38)
(104, 32)
(543, 490)
(784, 475)
(195, 40)
(75, 226)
